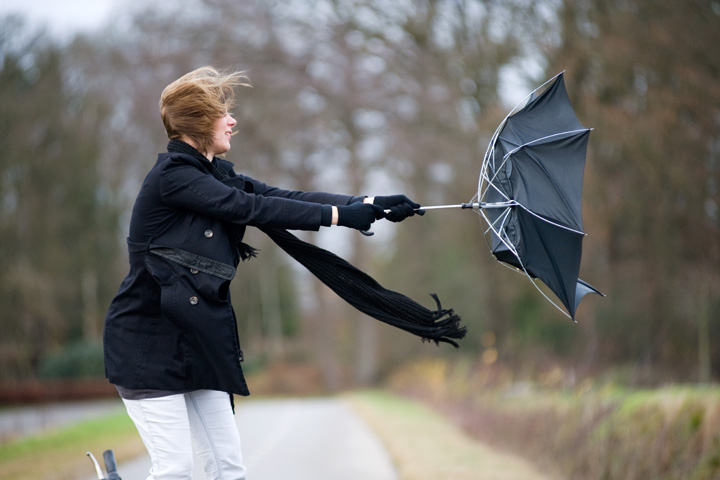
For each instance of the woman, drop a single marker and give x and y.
(171, 343)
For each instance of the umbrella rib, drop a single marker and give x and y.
(537, 140)
(513, 250)
(554, 224)
(532, 280)
(529, 95)
(502, 218)
(569, 132)
(493, 140)
(500, 192)
(486, 163)
(502, 236)
(490, 182)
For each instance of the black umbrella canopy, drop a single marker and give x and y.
(531, 193)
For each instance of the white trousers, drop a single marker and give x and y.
(171, 426)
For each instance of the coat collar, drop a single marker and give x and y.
(221, 168)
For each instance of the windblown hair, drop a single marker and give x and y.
(191, 104)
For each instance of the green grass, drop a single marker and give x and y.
(60, 453)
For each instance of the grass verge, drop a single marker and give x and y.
(60, 453)
(423, 444)
(589, 430)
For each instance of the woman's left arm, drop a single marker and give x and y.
(397, 207)
(260, 188)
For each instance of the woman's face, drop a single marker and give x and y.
(222, 131)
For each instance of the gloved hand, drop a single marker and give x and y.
(359, 215)
(400, 207)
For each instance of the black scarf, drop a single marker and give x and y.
(353, 285)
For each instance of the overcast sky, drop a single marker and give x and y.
(63, 16)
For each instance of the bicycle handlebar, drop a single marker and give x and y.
(110, 465)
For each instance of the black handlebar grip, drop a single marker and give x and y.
(110, 465)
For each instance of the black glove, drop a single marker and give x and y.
(359, 215)
(400, 207)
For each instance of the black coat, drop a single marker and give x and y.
(171, 325)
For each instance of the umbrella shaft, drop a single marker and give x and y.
(459, 205)
(475, 205)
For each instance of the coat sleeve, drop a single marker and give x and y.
(185, 185)
(261, 188)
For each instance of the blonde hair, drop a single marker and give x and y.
(191, 104)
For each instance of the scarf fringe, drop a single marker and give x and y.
(247, 251)
(446, 328)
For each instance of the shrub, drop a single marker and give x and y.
(585, 432)
(77, 360)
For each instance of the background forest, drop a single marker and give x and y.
(377, 97)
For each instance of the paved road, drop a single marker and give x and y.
(299, 439)
(20, 421)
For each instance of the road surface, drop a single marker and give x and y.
(16, 422)
(298, 439)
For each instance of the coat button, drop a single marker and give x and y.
(208, 233)
(194, 271)
(193, 300)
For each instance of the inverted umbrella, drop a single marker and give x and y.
(530, 193)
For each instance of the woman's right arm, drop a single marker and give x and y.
(184, 185)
